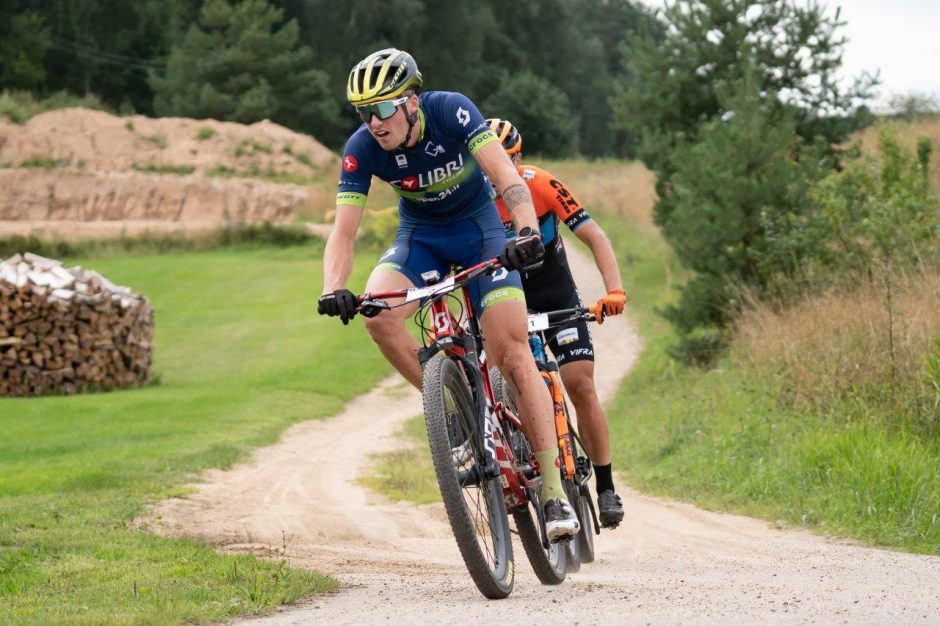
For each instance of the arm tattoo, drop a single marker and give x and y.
(514, 195)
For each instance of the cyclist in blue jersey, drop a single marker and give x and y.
(434, 149)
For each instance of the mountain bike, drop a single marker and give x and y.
(483, 462)
(574, 462)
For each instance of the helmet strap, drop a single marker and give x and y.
(412, 120)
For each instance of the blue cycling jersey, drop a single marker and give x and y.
(438, 180)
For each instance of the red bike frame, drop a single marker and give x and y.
(465, 347)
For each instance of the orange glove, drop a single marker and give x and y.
(612, 303)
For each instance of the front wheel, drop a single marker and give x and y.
(549, 564)
(473, 501)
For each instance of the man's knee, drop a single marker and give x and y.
(383, 327)
(580, 387)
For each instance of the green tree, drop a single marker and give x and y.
(795, 50)
(23, 47)
(733, 189)
(541, 113)
(240, 62)
(723, 201)
(874, 213)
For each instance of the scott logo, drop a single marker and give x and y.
(463, 116)
(350, 163)
(410, 183)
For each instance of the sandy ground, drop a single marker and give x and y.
(669, 563)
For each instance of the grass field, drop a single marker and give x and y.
(729, 438)
(239, 356)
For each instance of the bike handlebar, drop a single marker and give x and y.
(371, 304)
(553, 319)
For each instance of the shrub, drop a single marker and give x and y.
(20, 106)
(205, 133)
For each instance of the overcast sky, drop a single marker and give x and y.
(901, 38)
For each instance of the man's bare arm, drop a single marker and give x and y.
(515, 193)
(596, 239)
(341, 247)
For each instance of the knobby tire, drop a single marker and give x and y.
(548, 565)
(477, 512)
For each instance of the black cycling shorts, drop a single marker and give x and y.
(551, 289)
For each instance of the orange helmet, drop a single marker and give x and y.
(508, 136)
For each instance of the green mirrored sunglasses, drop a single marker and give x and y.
(382, 110)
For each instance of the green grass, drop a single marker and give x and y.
(150, 168)
(241, 355)
(406, 474)
(722, 439)
(149, 243)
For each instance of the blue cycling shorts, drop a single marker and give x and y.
(422, 247)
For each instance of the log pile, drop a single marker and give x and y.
(64, 330)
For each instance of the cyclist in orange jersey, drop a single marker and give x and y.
(552, 287)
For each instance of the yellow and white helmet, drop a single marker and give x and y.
(382, 75)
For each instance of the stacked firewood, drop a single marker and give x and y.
(63, 330)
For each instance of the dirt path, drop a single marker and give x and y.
(668, 563)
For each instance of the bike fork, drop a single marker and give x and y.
(565, 450)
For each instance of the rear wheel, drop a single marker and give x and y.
(549, 565)
(581, 548)
(474, 503)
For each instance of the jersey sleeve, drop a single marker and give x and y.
(355, 175)
(556, 195)
(463, 122)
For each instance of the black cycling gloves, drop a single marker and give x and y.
(524, 252)
(341, 302)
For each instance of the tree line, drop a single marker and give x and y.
(736, 105)
(553, 65)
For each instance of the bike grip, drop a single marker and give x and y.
(595, 310)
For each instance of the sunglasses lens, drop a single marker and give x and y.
(382, 110)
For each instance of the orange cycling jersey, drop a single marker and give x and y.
(552, 202)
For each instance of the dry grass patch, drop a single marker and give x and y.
(907, 133)
(876, 345)
(623, 188)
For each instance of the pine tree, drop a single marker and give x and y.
(239, 62)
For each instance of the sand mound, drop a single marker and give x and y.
(83, 165)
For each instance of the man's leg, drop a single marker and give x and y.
(388, 328)
(505, 329)
(578, 377)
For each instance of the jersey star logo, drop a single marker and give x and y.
(350, 163)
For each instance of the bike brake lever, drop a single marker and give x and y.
(371, 308)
